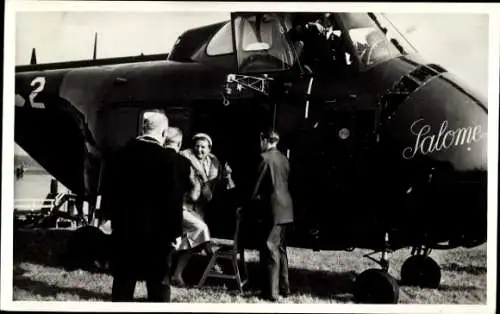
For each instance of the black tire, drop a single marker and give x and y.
(374, 286)
(87, 249)
(421, 271)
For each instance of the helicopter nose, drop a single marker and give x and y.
(444, 121)
(440, 128)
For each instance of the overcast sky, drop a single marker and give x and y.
(459, 42)
(63, 36)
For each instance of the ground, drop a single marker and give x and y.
(315, 277)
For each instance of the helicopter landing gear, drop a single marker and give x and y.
(420, 269)
(377, 287)
(374, 285)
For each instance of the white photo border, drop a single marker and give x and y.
(13, 6)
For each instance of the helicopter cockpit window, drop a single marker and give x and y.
(261, 43)
(222, 42)
(374, 38)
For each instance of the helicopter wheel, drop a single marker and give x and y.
(86, 249)
(375, 286)
(421, 271)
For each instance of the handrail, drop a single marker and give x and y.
(40, 212)
(36, 204)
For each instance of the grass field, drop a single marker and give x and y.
(315, 277)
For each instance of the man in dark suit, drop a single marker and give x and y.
(276, 208)
(143, 194)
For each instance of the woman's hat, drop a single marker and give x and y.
(204, 136)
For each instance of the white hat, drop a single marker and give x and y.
(204, 136)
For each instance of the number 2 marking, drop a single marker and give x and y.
(39, 84)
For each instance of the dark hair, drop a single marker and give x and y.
(270, 135)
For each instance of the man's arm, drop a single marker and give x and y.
(194, 187)
(180, 171)
(187, 178)
(262, 170)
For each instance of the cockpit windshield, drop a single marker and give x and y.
(318, 42)
(374, 37)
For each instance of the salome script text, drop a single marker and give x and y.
(428, 141)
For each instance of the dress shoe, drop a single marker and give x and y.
(285, 293)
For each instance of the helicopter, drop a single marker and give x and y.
(387, 150)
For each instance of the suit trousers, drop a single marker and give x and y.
(157, 281)
(274, 261)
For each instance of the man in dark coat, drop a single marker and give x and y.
(144, 197)
(276, 209)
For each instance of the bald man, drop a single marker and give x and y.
(144, 196)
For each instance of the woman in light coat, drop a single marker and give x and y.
(206, 174)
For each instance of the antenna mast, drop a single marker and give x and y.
(33, 56)
(95, 46)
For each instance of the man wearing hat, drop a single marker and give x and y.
(276, 209)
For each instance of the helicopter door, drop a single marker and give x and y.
(117, 123)
(260, 42)
(180, 117)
